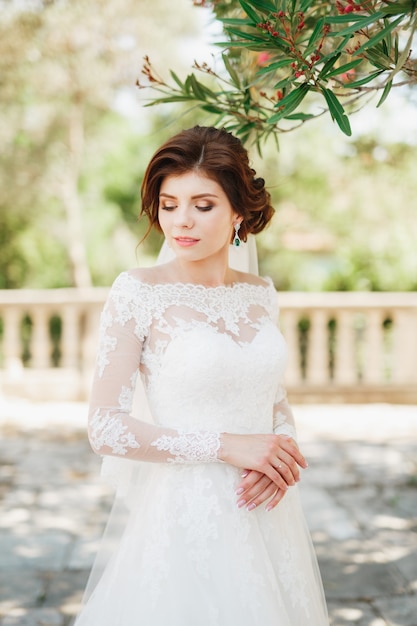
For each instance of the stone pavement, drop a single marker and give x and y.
(359, 492)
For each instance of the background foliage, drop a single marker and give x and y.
(76, 140)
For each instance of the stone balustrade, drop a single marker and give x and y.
(354, 347)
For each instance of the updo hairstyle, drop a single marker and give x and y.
(220, 156)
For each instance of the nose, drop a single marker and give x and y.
(183, 217)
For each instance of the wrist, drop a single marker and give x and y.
(223, 447)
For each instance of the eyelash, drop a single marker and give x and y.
(203, 209)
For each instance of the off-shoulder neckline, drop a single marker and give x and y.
(199, 286)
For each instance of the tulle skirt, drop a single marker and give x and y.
(185, 555)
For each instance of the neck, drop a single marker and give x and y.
(209, 273)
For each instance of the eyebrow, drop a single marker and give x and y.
(198, 195)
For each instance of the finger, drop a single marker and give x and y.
(279, 494)
(276, 477)
(289, 445)
(262, 497)
(287, 471)
(256, 489)
(251, 478)
(288, 468)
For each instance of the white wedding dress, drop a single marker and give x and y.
(211, 360)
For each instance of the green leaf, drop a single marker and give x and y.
(342, 45)
(317, 32)
(209, 92)
(273, 66)
(244, 35)
(231, 71)
(387, 44)
(245, 128)
(199, 90)
(342, 68)
(290, 102)
(187, 84)
(396, 50)
(170, 99)
(385, 93)
(329, 64)
(250, 12)
(300, 116)
(360, 22)
(362, 81)
(337, 111)
(211, 108)
(341, 19)
(264, 6)
(395, 8)
(306, 4)
(378, 59)
(380, 35)
(177, 80)
(261, 46)
(235, 21)
(283, 83)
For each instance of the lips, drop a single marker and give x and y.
(186, 241)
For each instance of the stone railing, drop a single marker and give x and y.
(356, 347)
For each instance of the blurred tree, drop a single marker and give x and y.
(346, 212)
(61, 67)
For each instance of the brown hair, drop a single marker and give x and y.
(218, 155)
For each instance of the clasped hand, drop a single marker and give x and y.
(271, 465)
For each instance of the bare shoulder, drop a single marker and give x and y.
(252, 279)
(151, 275)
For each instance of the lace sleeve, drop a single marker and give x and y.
(283, 418)
(112, 429)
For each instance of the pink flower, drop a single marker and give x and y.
(263, 57)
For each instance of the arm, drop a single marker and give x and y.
(112, 429)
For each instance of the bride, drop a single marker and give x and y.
(212, 531)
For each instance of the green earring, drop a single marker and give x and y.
(236, 239)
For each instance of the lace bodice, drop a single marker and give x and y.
(211, 360)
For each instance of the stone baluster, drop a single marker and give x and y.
(70, 341)
(12, 344)
(41, 341)
(318, 348)
(404, 347)
(289, 324)
(345, 365)
(373, 363)
(90, 338)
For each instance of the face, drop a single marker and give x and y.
(195, 216)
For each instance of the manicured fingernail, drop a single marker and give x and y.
(241, 503)
(244, 474)
(251, 506)
(269, 507)
(239, 491)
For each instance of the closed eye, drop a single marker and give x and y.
(204, 208)
(168, 207)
